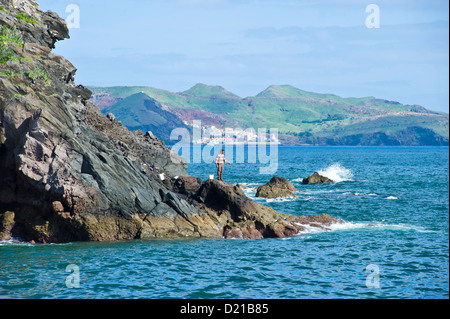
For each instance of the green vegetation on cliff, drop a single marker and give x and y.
(7, 37)
(25, 17)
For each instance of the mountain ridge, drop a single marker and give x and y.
(146, 115)
(210, 90)
(302, 117)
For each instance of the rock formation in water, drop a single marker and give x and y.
(316, 178)
(70, 173)
(277, 187)
(240, 217)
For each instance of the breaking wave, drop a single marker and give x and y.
(349, 226)
(337, 173)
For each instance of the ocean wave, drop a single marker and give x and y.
(250, 185)
(391, 197)
(281, 199)
(337, 173)
(403, 227)
(308, 229)
(360, 194)
(349, 226)
(21, 242)
(15, 242)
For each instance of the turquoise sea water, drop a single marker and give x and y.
(394, 244)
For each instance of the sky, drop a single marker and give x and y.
(245, 46)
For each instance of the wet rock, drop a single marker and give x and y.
(320, 220)
(277, 187)
(316, 178)
(240, 217)
(6, 225)
(187, 185)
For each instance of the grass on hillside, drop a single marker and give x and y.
(295, 111)
(25, 17)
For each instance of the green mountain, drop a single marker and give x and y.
(209, 90)
(301, 117)
(141, 112)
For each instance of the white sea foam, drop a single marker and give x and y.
(250, 188)
(337, 173)
(21, 242)
(404, 227)
(281, 199)
(250, 185)
(391, 197)
(14, 241)
(332, 227)
(360, 194)
(348, 226)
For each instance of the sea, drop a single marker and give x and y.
(394, 242)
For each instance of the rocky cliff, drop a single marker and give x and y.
(70, 173)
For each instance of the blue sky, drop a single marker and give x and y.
(247, 45)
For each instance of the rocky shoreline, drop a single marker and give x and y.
(69, 173)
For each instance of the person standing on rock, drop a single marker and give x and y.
(220, 161)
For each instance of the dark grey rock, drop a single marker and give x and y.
(316, 178)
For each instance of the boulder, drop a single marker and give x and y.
(316, 178)
(187, 185)
(319, 220)
(240, 217)
(277, 187)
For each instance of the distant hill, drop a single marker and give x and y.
(141, 112)
(208, 90)
(301, 117)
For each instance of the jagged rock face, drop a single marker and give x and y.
(70, 173)
(64, 165)
(48, 29)
(277, 187)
